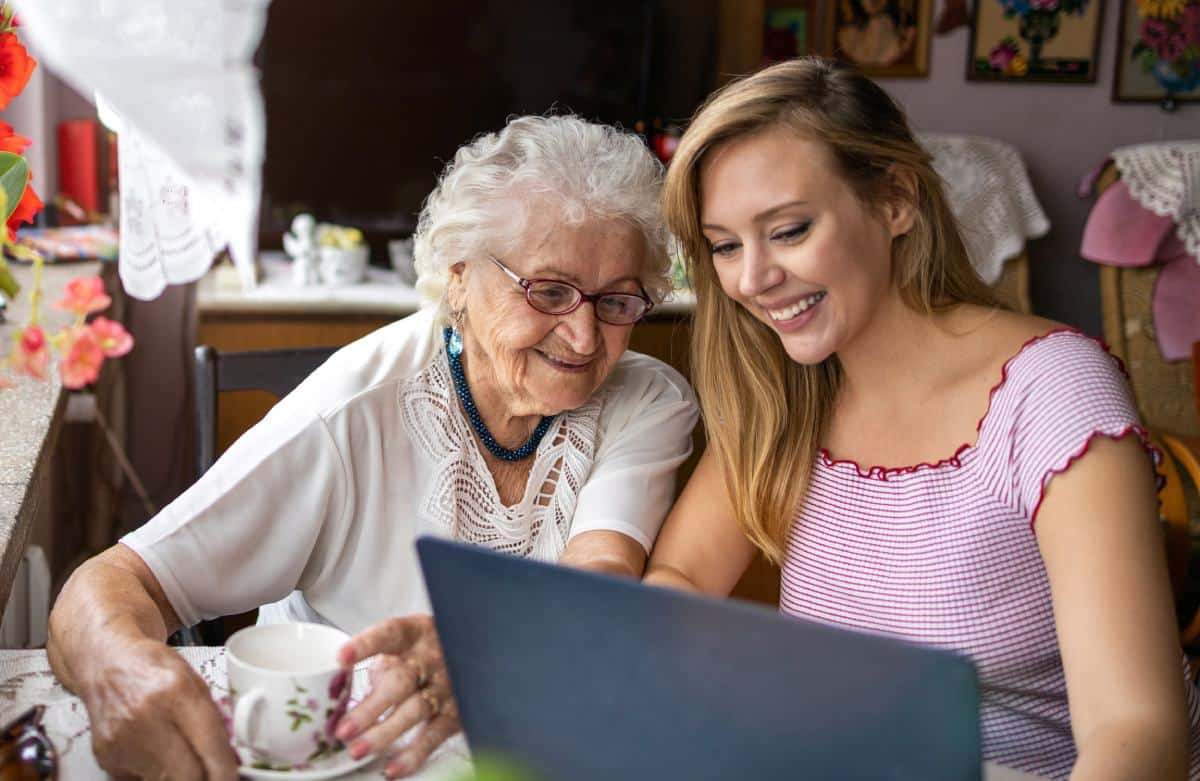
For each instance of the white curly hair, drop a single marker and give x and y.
(586, 171)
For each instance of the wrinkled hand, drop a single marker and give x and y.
(409, 684)
(153, 717)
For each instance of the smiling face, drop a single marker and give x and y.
(793, 244)
(529, 363)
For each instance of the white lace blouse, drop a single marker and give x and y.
(313, 512)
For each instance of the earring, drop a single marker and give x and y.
(455, 344)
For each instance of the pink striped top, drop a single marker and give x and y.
(945, 554)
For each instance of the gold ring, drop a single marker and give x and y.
(422, 677)
(435, 705)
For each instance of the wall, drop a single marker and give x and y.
(1062, 131)
(35, 114)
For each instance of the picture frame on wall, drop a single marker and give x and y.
(1158, 52)
(884, 38)
(789, 30)
(1035, 40)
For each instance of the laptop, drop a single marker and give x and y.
(582, 677)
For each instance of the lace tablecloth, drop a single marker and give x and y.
(1165, 179)
(991, 195)
(26, 680)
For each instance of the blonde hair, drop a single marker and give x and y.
(764, 414)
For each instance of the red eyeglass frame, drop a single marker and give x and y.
(527, 285)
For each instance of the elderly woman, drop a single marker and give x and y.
(507, 413)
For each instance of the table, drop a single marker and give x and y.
(26, 680)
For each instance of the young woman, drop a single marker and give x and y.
(920, 462)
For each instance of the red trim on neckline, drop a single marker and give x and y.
(955, 461)
(1133, 428)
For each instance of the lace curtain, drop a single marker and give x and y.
(173, 78)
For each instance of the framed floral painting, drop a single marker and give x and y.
(1035, 40)
(1158, 51)
(788, 29)
(882, 37)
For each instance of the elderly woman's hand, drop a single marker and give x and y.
(153, 717)
(409, 684)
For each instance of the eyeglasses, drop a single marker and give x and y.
(26, 753)
(555, 297)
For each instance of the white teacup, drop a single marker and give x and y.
(288, 691)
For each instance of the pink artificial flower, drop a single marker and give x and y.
(1172, 48)
(114, 340)
(1044, 5)
(84, 295)
(1154, 32)
(31, 354)
(1190, 25)
(1001, 55)
(81, 358)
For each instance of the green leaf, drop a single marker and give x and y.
(8, 283)
(14, 178)
(495, 768)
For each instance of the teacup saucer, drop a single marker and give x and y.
(331, 766)
(326, 767)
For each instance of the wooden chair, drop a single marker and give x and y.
(1179, 506)
(1013, 286)
(275, 371)
(1165, 392)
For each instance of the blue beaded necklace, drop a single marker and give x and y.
(454, 348)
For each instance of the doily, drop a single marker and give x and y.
(1165, 179)
(990, 193)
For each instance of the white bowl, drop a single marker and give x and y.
(342, 266)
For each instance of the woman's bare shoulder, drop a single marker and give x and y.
(981, 341)
(999, 333)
